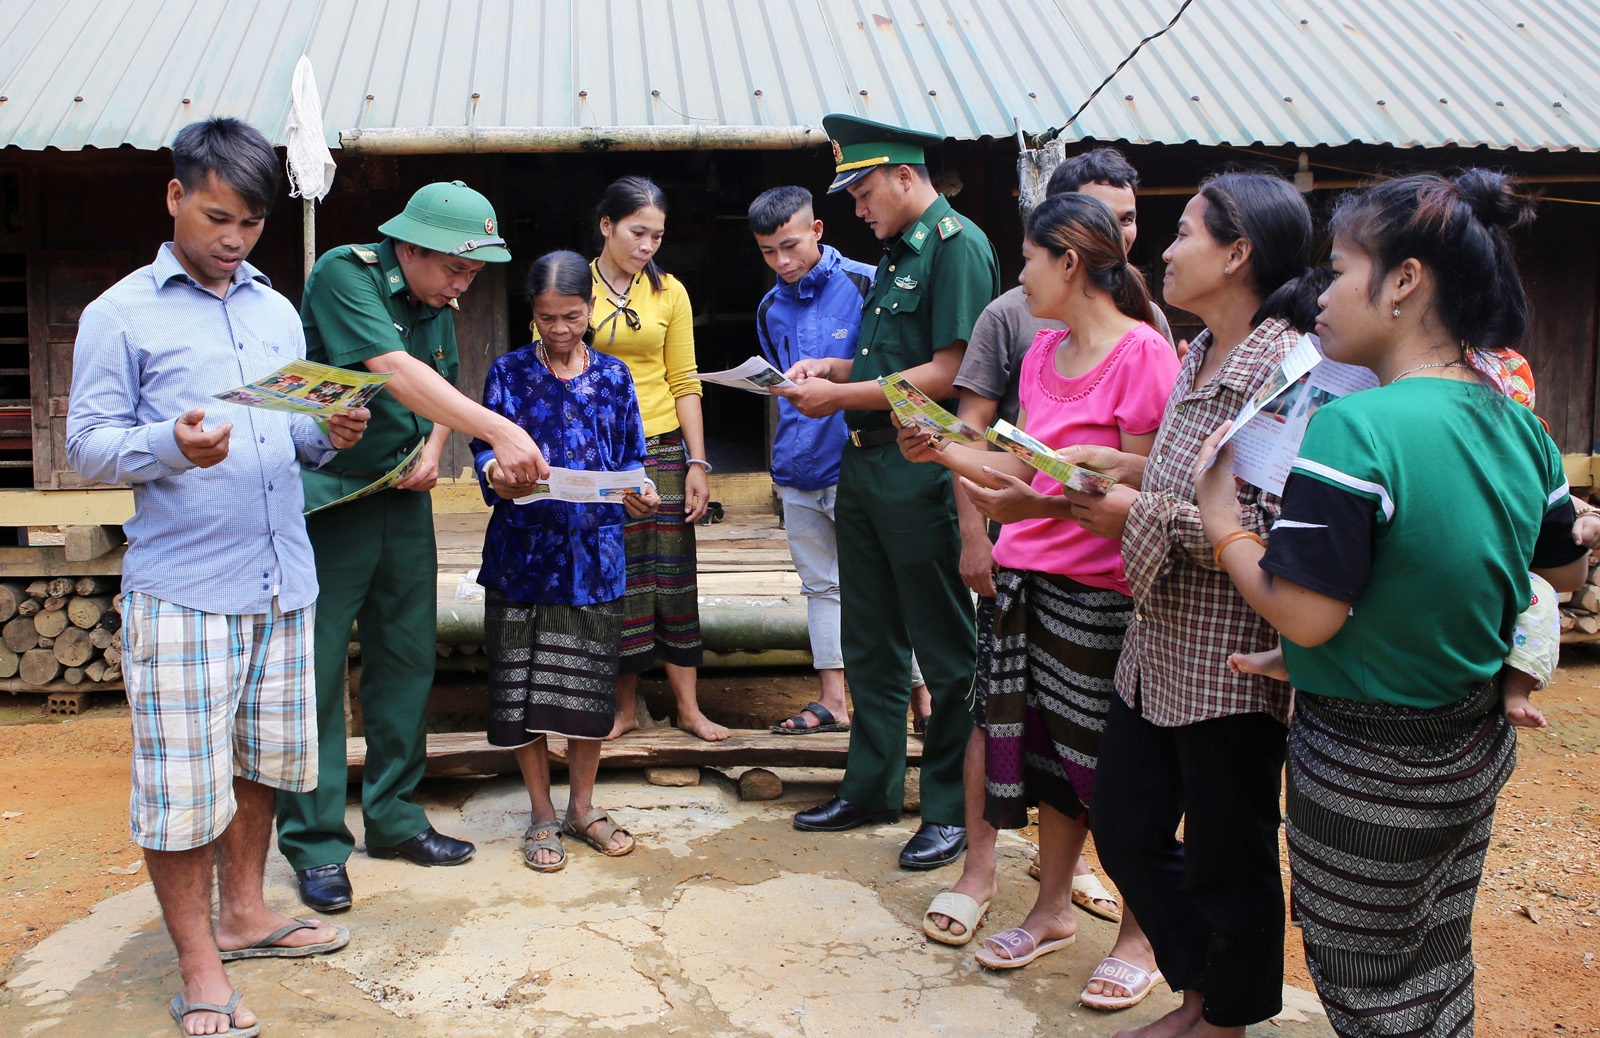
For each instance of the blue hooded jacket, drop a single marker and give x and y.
(817, 316)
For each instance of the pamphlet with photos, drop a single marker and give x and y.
(1267, 433)
(913, 407)
(580, 486)
(394, 477)
(753, 376)
(306, 387)
(1035, 453)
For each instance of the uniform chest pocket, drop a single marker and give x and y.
(901, 301)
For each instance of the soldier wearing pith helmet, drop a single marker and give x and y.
(899, 544)
(388, 306)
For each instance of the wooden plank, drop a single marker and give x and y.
(50, 560)
(90, 542)
(468, 753)
(110, 506)
(18, 685)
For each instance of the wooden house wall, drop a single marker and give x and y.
(81, 220)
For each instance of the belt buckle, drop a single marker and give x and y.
(855, 437)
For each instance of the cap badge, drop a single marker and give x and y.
(488, 225)
(838, 153)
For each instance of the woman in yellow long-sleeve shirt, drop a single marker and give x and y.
(642, 317)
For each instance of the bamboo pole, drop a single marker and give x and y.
(438, 140)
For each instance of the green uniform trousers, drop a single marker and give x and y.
(900, 590)
(376, 565)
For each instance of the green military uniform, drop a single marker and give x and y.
(376, 561)
(899, 543)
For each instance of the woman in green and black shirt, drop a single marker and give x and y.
(1409, 523)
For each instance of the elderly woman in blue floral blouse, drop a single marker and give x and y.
(554, 571)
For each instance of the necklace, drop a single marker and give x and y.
(619, 300)
(544, 358)
(1420, 367)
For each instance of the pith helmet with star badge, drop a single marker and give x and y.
(450, 218)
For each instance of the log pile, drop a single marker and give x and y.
(1580, 609)
(61, 629)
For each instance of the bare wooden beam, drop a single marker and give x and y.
(90, 542)
(468, 753)
(50, 560)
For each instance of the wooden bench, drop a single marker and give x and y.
(468, 753)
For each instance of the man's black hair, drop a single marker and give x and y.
(236, 152)
(772, 209)
(1100, 166)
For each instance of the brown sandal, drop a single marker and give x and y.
(580, 829)
(543, 836)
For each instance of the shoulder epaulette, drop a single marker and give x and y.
(364, 254)
(949, 227)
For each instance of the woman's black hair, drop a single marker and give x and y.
(624, 197)
(1086, 225)
(1267, 211)
(1459, 229)
(565, 274)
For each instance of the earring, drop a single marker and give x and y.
(1397, 309)
(1227, 272)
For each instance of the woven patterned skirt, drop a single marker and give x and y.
(661, 607)
(1049, 683)
(1389, 816)
(552, 669)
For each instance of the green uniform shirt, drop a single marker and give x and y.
(932, 284)
(1423, 504)
(356, 306)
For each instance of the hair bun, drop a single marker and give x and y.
(1493, 198)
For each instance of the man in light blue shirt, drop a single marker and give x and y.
(219, 581)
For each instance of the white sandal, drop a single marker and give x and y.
(959, 908)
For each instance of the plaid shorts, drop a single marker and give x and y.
(214, 696)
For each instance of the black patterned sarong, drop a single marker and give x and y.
(552, 669)
(1052, 670)
(1389, 815)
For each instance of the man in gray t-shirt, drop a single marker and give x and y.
(988, 380)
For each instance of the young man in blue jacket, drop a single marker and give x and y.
(813, 311)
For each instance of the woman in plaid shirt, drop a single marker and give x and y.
(1187, 738)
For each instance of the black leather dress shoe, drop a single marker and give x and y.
(934, 846)
(429, 847)
(325, 888)
(838, 815)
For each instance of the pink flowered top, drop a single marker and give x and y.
(1125, 393)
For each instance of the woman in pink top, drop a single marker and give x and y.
(1062, 602)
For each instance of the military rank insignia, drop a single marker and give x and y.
(364, 254)
(949, 226)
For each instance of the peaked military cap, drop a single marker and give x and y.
(861, 146)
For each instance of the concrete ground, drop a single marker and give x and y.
(725, 921)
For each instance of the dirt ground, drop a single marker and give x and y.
(64, 842)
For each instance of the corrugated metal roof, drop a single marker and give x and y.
(1506, 73)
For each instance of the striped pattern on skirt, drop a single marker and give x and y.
(552, 669)
(1052, 671)
(661, 606)
(1389, 816)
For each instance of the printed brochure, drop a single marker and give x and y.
(1267, 433)
(753, 376)
(1035, 453)
(579, 486)
(306, 387)
(394, 477)
(912, 407)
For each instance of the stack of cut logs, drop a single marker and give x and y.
(1580, 609)
(67, 629)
